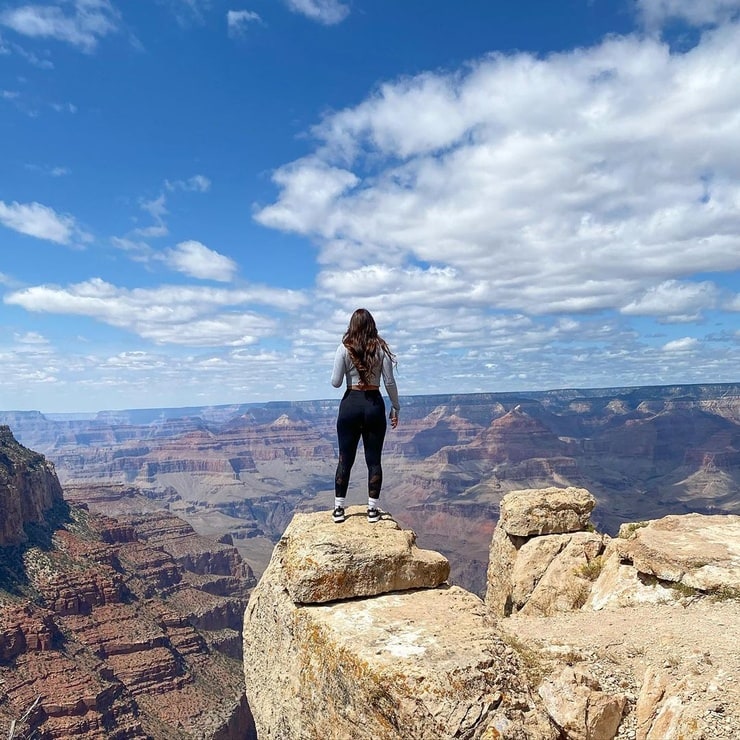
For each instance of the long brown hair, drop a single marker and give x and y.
(364, 344)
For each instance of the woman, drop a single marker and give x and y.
(362, 358)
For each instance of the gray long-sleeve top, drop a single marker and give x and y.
(344, 369)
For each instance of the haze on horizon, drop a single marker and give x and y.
(194, 196)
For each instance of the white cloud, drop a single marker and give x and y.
(83, 27)
(35, 219)
(573, 183)
(238, 21)
(327, 12)
(685, 344)
(63, 107)
(31, 338)
(196, 260)
(196, 183)
(157, 209)
(178, 315)
(310, 189)
(37, 61)
(138, 251)
(655, 13)
(675, 302)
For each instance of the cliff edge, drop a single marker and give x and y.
(29, 489)
(354, 632)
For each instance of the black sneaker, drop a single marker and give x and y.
(373, 515)
(338, 514)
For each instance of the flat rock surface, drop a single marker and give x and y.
(410, 633)
(323, 561)
(698, 638)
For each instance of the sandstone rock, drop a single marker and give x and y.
(551, 572)
(413, 664)
(578, 706)
(546, 511)
(542, 573)
(500, 567)
(620, 585)
(668, 708)
(323, 562)
(122, 651)
(651, 694)
(24, 629)
(28, 488)
(701, 552)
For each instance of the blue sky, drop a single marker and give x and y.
(195, 195)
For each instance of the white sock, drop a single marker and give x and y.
(373, 503)
(339, 502)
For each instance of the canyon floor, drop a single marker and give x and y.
(695, 640)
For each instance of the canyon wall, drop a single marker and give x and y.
(29, 489)
(114, 628)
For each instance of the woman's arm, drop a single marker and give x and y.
(339, 370)
(390, 386)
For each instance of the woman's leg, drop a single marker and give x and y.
(373, 434)
(349, 430)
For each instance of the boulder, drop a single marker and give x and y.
(416, 663)
(322, 561)
(670, 708)
(577, 705)
(546, 511)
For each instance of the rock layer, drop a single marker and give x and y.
(116, 629)
(28, 489)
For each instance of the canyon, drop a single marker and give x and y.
(241, 471)
(130, 553)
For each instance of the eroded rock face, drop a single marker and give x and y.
(417, 663)
(28, 488)
(540, 562)
(701, 552)
(133, 632)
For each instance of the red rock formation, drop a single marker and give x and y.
(28, 488)
(122, 629)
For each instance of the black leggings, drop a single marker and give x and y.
(361, 414)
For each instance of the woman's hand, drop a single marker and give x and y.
(394, 418)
